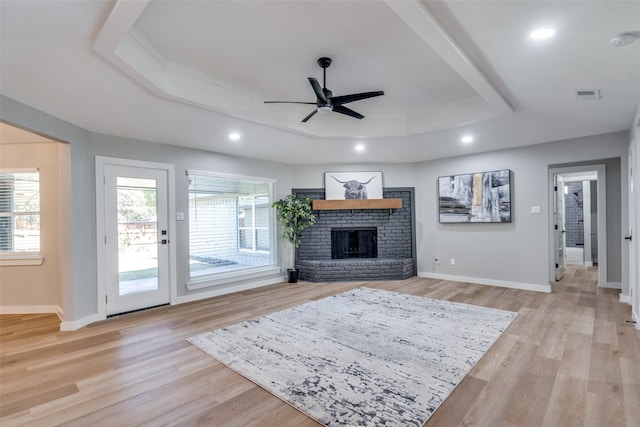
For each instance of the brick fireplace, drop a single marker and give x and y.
(391, 230)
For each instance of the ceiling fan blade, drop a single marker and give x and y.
(311, 114)
(339, 100)
(318, 90)
(344, 110)
(289, 102)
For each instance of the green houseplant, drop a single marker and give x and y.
(295, 214)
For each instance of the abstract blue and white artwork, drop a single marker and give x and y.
(475, 197)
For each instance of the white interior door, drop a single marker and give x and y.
(136, 238)
(633, 245)
(558, 226)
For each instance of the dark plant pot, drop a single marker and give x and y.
(292, 275)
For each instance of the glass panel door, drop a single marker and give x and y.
(137, 235)
(136, 238)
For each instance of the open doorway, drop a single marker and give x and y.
(578, 220)
(580, 191)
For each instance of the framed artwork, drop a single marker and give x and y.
(475, 197)
(352, 185)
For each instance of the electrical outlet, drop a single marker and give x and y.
(436, 260)
(453, 261)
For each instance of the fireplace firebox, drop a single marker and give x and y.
(359, 242)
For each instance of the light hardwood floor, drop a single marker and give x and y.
(570, 359)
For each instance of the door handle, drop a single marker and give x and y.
(629, 238)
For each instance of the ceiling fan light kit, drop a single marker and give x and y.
(325, 101)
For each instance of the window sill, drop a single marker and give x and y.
(21, 260)
(230, 277)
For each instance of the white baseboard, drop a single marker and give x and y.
(636, 318)
(490, 282)
(610, 285)
(31, 309)
(625, 298)
(37, 309)
(80, 323)
(228, 289)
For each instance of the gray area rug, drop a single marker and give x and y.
(366, 357)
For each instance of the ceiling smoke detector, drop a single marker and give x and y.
(623, 39)
(588, 94)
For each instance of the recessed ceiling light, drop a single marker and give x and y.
(467, 139)
(359, 147)
(542, 33)
(234, 136)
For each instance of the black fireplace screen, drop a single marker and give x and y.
(354, 243)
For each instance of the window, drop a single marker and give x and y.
(253, 223)
(19, 212)
(231, 223)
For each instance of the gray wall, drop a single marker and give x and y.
(184, 159)
(80, 293)
(634, 144)
(617, 185)
(77, 287)
(394, 174)
(517, 252)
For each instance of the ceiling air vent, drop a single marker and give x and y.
(588, 94)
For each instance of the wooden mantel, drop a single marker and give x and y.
(330, 205)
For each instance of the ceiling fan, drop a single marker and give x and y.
(325, 101)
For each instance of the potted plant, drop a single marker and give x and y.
(295, 214)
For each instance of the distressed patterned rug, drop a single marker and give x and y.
(366, 357)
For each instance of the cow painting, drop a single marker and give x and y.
(354, 190)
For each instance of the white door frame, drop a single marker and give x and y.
(559, 236)
(634, 271)
(602, 218)
(100, 225)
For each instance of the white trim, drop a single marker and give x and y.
(633, 172)
(601, 171)
(230, 288)
(20, 260)
(80, 323)
(610, 285)
(19, 170)
(491, 282)
(586, 223)
(230, 277)
(222, 278)
(100, 163)
(229, 175)
(31, 309)
(579, 176)
(625, 298)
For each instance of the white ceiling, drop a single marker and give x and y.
(188, 73)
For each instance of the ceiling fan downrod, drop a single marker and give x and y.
(324, 63)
